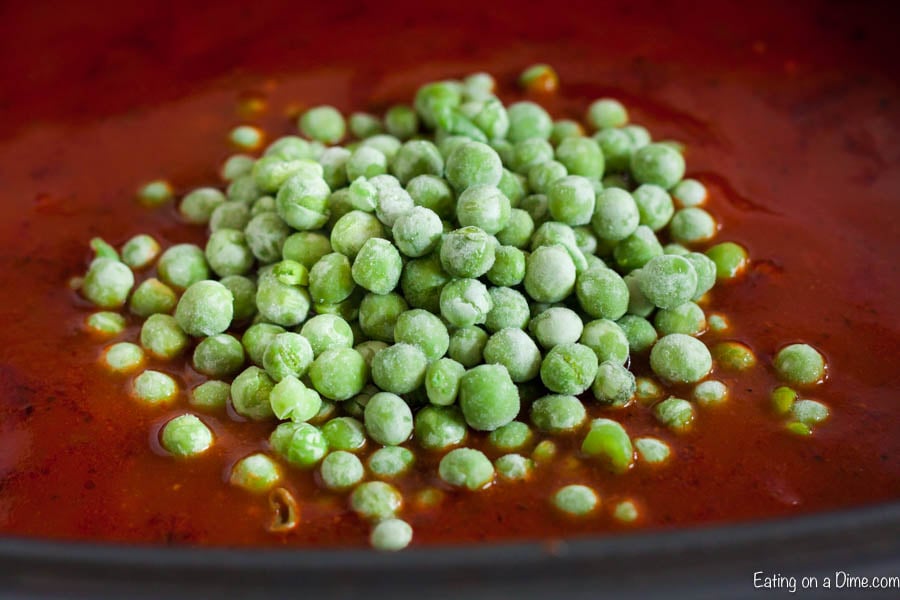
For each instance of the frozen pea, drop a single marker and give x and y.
(105, 323)
(197, 206)
(488, 397)
(615, 216)
(391, 461)
(800, 365)
(140, 251)
(680, 358)
(339, 373)
(186, 435)
(378, 315)
(690, 192)
(783, 399)
(257, 338)
(516, 351)
(606, 113)
(353, 230)
(432, 192)
(556, 325)
(162, 337)
(363, 125)
(292, 400)
(227, 253)
(638, 304)
(306, 247)
(553, 233)
(155, 193)
(417, 232)
(123, 357)
(467, 345)
(256, 473)
(243, 290)
(271, 172)
(331, 279)
(616, 146)
(687, 318)
(609, 441)
(323, 123)
(465, 302)
(219, 356)
(668, 281)
(393, 200)
(391, 535)
(384, 143)
(246, 137)
(442, 379)
(439, 427)
(282, 304)
(401, 121)
(549, 274)
(345, 433)
(250, 392)
(654, 205)
(205, 308)
(675, 413)
(473, 163)
(153, 387)
(658, 164)
(340, 471)
(301, 201)
(334, 166)
(107, 283)
(484, 206)
(377, 267)
(327, 331)
(637, 249)
(230, 215)
(515, 435)
(565, 128)
(513, 186)
(466, 467)
(733, 356)
(514, 467)
(626, 511)
(569, 368)
(422, 281)
(541, 177)
(809, 412)
(614, 384)
(571, 200)
(211, 395)
(602, 293)
(692, 226)
(710, 393)
(417, 157)
(706, 272)
(528, 120)
(581, 156)
(544, 451)
(557, 413)
(467, 252)
(652, 450)
(508, 268)
(301, 444)
(509, 309)
(243, 189)
(526, 154)
(576, 500)
(607, 340)
(646, 389)
(639, 331)
(388, 419)
(399, 368)
(266, 234)
(375, 500)
(152, 297)
(536, 207)
(423, 329)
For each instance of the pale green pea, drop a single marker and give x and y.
(153, 387)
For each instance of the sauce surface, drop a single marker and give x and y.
(793, 129)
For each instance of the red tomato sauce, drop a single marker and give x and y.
(790, 115)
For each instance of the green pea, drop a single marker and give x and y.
(466, 467)
(692, 226)
(340, 471)
(616, 215)
(488, 397)
(433, 193)
(388, 419)
(386, 144)
(123, 357)
(152, 297)
(607, 340)
(227, 253)
(602, 293)
(323, 123)
(197, 207)
(536, 205)
(439, 427)
(140, 251)
(266, 234)
(564, 129)
(422, 281)
(256, 473)
(301, 202)
(509, 309)
(306, 247)
(544, 451)
(687, 318)
(639, 331)
(690, 192)
(290, 399)
(733, 356)
(327, 331)
(236, 165)
(378, 266)
(654, 206)
(246, 137)
(230, 215)
(257, 338)
(614, 384)
(301, 444)
(647, 390)
(465, 302)
(211, 395)
(637, 249)
(576, 500)
(658, 164)
(399, 368)
(652, 450)
(508, 268)
(516, 351)
(334, 166)
(185, 436)
(513, 186)
(205, 308)
(417, 157)
(730, 259)
(783, 399)
(153, 387)
(391, 461)
(484, 206)
(250, 393)
(391, 535)
(668, 281)
(162, 337)
(378, 315)
(608, 441)
(809, 412)
(675, 413)
(363, 125)
(549, 274)
(442, 379)
(281, 304)
(107, 283)
(105, 323)
(375, 500)
(529, 153)
(467, 252)
(616, 147)
(473, 163)
(571, 200)
(339, 373)
(710, 393)
(219, 356)
(557, 413)
(345, 433)
(514, 467)
(528, 120)
(182, 265)
(607, 112)
(155, 193)
(555, 326)
(424, 330)
(287, 354)
(680, 358)
(243, 189)
(569, 368)
(542, 176)
(800, 365)
(418, 232)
